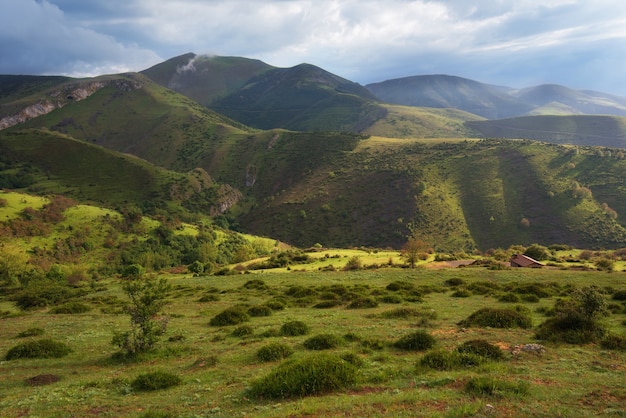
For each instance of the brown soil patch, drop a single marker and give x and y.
(43, 379)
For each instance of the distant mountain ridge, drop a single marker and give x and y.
(495, 102)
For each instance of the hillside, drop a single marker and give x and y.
(606, 131)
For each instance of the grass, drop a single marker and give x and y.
(387, 382)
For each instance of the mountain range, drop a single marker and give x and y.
(305, 156)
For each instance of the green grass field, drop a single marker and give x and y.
(217, 368)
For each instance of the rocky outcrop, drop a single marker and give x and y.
(74, 91)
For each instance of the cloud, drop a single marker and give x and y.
(37, 38)
(364, 40)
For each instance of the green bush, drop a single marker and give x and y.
(71, 308)
(325, 304)
(275, 305)
(155, 381)
(398, 285)
(30, 332)
(255, 284)
(260, 310)
(322, 342)
(38, 349)
(416, 341)
(294, 328)
(229, 316)
(454, 282)
(408, 312)
(363, 303)
(42, 295)
(243, 331)
(390, 299)
(510, 298)
(498, 318)
(481, 348)
(619, 295)
(488, 386)
(461, 293)
(614, 342)
(313, 375)
(273, 352)
(449, 360)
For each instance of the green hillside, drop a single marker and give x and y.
(304, 98)
(606, 131)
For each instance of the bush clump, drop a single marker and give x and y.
(322, 342)
(488, 386)
(38, 349)
(325, 304)
(619, 295)
(243, 331)
(363, 303)
(30, 332)
(416, 341)
(229, 316)
(454, 282)
(155, 381)
(260, 310)
(255, 284)
(398, 285)
(71, 308)
(461, 293)
(408, 312)
(614, 342)
(294, 328)
(499, 318)
(449, 360)
(313, 375)
(44, 295)
(273, 352)
(481, 348)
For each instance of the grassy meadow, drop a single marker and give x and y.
(217, 365)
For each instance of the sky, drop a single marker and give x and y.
(516, 43)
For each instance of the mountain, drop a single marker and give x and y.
(303, 98)
(205, 78)
(444, 91)
(495, 102)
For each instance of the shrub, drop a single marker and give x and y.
(255, 284)
(313, 375)
(407, 312)
(483, 288)
(30, 332)
(461, 293)
(614, 342)
(42, 295)
(155, 381)
(71, 308)
(449, 360)
(509, 298)
(354, 263)
(619, 295)
(416, 341)
(38, 349)
(275, 305)
(363, 303)
(322, 342)
(538, 252)
(43, 379)
(273, 352)
(243, 331)
(397, 285)
(481, 348)
(390, 299)
(294, 328)
(325, 304)
(454, 282)
(488, 386)
(498, 318)
(260, 310)
(229, 316)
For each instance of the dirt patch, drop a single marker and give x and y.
(42, 379)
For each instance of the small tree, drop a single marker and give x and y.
(147, 297)
(413, 249)
(538, 252)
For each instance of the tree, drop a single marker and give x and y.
(413, 249)
(13, 262)
(538, 252)
(147, 297)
